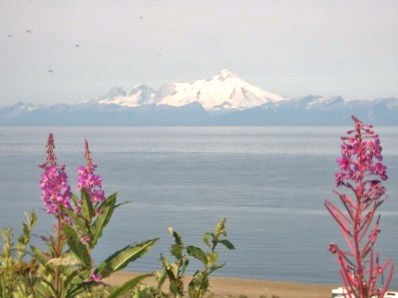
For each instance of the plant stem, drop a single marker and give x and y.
(358, 221)
(58, 252)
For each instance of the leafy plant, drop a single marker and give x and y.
(17, 277)
(66, 268)
(361, 175)
(174, 272)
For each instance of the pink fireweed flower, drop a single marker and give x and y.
(358, 150)
(339, 178)
(55, 190)
(379, 169)
(88, 180)
(344, 163)
(85, 239)
(96, 277)
(361, 172)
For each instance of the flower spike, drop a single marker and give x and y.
(361, 173)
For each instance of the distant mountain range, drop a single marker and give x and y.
(223, 99)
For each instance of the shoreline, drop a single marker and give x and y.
(235, 287)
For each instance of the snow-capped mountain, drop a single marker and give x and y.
(222, 99)
(222, 91)
(140, 95)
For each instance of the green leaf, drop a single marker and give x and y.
(77, 247)
(87, 206)
(71, 278)
(122, 203)
(176, 250)
(102, 220)
(80, 288)
(227, 244)
(197, 253)
(40, 255)
(121, 258)
(177, 237)
(215, 267)
(128, 285)
(207, 237)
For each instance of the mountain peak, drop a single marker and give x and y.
(223, 75)
(116, 91)
(222, 91)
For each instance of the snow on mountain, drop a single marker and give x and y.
(308, 110)
(222, 91)
(23, 108)
(139, 96)
(326, 102)
(222, 99)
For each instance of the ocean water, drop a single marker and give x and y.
(268, 182)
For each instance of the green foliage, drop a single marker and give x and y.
(200, 281)
(123, 289)
(65, 268)
(69, 274)
(174, 272)
(123, 257)
(197, 253)
(77, 247)
(107, 208)
(17, 277)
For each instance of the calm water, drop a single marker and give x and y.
(269, 182)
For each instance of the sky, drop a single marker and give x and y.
(77, 50)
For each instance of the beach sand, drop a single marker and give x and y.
(252, 288)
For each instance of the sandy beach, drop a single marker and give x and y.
(235, 287)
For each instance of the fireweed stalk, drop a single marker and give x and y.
(89, 181)
(361, 175)
(56, 196)
(90, 186)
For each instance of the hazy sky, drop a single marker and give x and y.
(76, 50)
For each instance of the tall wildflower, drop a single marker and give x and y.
(56, 196)
(55, 190)
(361, 175)
(89, 181)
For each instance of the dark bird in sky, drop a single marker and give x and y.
(141, 17)
(77, 45)
(28, 31)
(50, 71)
(9, 35)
